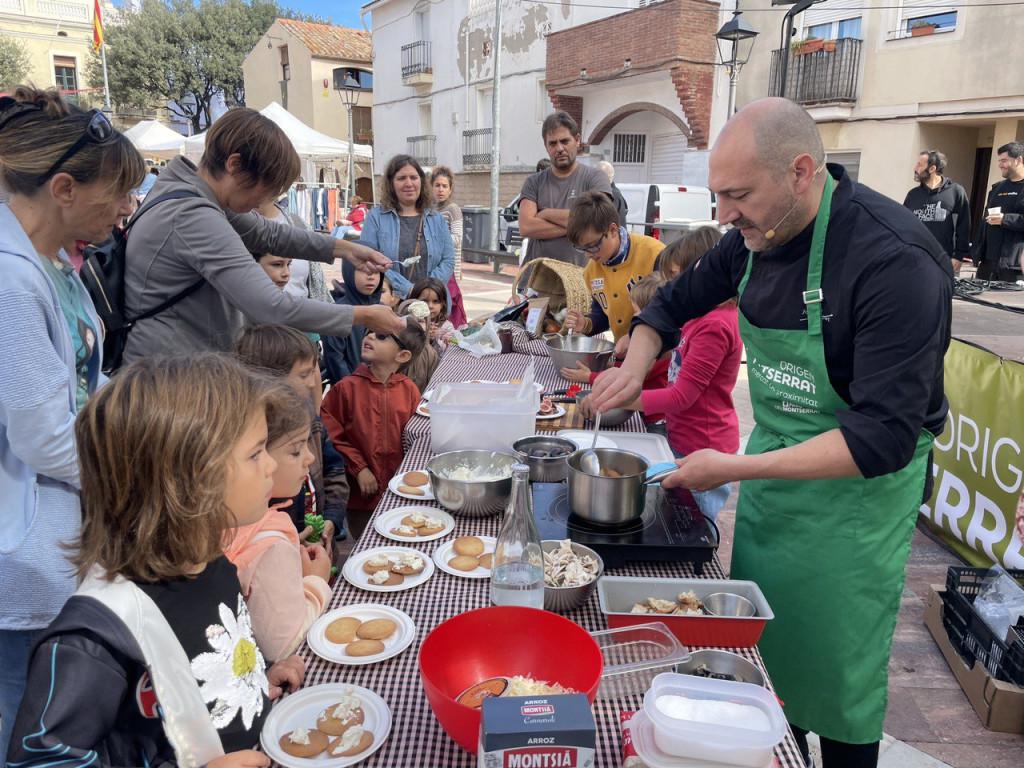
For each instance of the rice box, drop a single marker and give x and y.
(549, 731)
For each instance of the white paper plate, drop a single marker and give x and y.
(427, 395)
(396, 481)
(385, 521)
(539, 386)
(479, 381)
(584, 437)
(301, 709)
(400, 640)
(357, 577)
(555, 414)
(444, 553)
(421, 409)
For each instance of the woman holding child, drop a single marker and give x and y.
(69, 174)
(405, 226)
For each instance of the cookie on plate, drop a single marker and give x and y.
(408, 564)
(342, 630)
(376, 563)
(431, 526)
(485, 560)
(404, 530)
(376, 629)
(415, 479)
(344, 714)
(303, 742)
(468, 545)
(409, 490)
(463, 563)
(364, 648)
(385, 579)
(353, 741)
(415, 519)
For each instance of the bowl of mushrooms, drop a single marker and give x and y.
(571, 572)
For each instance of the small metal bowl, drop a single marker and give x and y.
(728, 604)
(721, 663)
(565, 599)
(473, 498)
(613, 417)
(545, 469)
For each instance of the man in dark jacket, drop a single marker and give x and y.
(941, 205)
(1001, 237)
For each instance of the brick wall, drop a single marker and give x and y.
(668, 36)
(474, 188)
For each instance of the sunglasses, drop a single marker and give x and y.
(381, 336)
(594, 247)
(98, 131)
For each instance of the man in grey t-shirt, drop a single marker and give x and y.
(548, 195)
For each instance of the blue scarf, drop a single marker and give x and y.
(620, 257)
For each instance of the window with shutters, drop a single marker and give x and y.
(65, 74)
(849, 160)
(834, 20)
(362, 121)
(286, 70)
(926, 17)
(629, 148)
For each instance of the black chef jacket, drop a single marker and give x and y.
(886, 311)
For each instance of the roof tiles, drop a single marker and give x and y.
(326, 41)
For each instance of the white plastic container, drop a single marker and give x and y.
(485, 417)
(733, 745)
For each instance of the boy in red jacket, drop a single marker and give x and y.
(365, 413)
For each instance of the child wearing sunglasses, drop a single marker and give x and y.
(616, 260)
(366, 412)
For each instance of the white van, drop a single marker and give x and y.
(665, 211)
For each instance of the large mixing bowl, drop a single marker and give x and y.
(608, 500)
(566, 351)
(472, 498)
(545, 469)
(613, 417)
(502, 641)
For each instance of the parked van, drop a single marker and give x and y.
(665, 211)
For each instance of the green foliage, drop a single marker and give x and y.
(183, 51)
(14, 62)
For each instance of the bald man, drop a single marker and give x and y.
(845, 316)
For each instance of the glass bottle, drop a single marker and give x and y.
(517, 573)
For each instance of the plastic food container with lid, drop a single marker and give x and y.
(634, 656)
(735, 745)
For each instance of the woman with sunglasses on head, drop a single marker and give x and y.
(69, 176)
(406, 228)
(206, 238)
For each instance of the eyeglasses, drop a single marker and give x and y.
(99, 130)
(594, 247)
(381, 336)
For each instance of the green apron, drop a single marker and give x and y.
(828, 554)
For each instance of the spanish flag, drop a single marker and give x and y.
(97, 26)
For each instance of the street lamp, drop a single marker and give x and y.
(735, 31)
(348, 88)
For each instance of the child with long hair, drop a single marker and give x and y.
(284, 581)
(432, 292)
(422, 367)
(153, 660)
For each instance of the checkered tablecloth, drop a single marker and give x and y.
(417, 738)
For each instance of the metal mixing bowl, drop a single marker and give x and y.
(566, 351)
(613, 417)
(565, 599)
(545, 469)
(723, 663)
(472, 498)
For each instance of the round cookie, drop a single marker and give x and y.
(405, 530)
(364, 648)
(406, 568)
(317, 743)
(332, 726)
(393, 580)
(468, 545)
(463, 563)
(426, 531)
(410, 490)
(415, 479)
(376, 629)
(364, 743)
(415, 520)
(372, 567)
(485, 560)
(342, 630)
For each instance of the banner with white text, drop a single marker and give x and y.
(977, 506)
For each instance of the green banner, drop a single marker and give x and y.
(977, 506)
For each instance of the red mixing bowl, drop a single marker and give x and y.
(502, 641)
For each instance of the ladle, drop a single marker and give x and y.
(589, 461)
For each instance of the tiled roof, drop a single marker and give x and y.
(329, 42)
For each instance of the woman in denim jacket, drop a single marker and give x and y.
(69, 175)
(405, 226)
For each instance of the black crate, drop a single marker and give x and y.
(976, 640)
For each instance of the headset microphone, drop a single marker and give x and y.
(771, 232)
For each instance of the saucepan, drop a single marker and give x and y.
(613, 500)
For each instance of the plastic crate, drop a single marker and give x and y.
(970, 634)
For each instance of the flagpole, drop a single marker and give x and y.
(106, 85)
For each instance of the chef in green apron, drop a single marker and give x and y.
(844, 314)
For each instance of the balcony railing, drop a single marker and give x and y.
(822, 77)
(422, 148)
(476, 146)
(416, 58)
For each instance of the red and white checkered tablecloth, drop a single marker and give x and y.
(417, 738)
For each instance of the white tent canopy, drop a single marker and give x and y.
(154, 139)
(309, 143)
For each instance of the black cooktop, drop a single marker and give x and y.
(671, 528)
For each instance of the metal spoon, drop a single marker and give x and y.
(589, 461)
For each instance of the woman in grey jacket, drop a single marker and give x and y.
(209, 236)
(69, 174)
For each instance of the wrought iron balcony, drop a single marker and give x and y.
(416, 66)
(476, 147)
(821, 77)
(422, 148)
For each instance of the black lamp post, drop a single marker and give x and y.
(735, 31)
(348, 89)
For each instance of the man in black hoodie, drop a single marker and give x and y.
(1000, 239)
(941, 205)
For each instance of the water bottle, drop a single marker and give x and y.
(517, 572)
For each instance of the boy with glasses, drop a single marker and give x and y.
(616, 261)
(365, 413)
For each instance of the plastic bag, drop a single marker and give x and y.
(1000, 602)
(483, 341)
